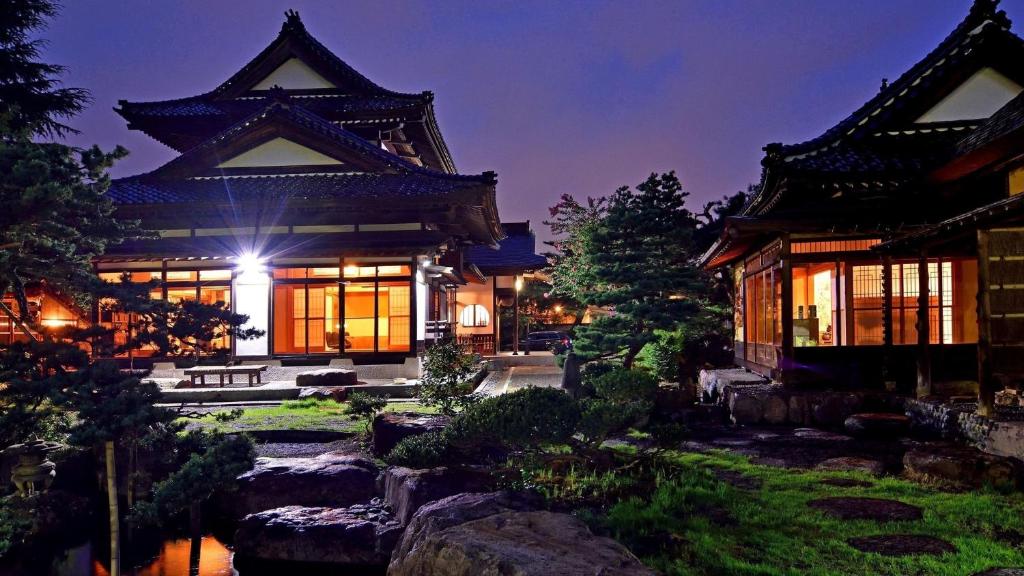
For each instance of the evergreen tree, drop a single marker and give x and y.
(639, 264)
(31, 99)
(56, 216)
(113, 408)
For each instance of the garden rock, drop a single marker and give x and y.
(405, 489)
(354, 536)
(901, 545)
(866, 509)
(851, 464)
(390, 428)
(961, 465)
(745, 408)
(327, 377)
(441, 514)
(324, 393)
(877, 425)
(517, 543)
(776, 410)
(831, 410)
(332, 479)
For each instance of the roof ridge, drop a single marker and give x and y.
(279, 103)
(981, 14)
(294, 28)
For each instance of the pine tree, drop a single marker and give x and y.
(56, 216)
(31, 99)
(636, 259)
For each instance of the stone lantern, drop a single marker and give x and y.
(33, 473)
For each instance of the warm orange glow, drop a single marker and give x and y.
(214, 560)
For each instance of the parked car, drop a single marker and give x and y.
(556, 342)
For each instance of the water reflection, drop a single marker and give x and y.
(173, 560)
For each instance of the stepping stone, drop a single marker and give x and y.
(878, 509)
(1001, 572)
(846, 483)
(851, 464)
(738, 480)
(902, 545)
(877, 424)
(820, 435)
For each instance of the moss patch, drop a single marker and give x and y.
(306, 414)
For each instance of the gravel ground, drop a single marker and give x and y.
(286, 450)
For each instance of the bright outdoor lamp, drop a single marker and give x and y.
(249, 263)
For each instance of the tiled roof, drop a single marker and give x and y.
(982, 21)
(1007, 119)
(206, 106)
(888, 155)
(517, 252)
(341, 186)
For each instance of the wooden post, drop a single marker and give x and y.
(786, 314)
(887, 322)
(515, 317)
(114, 514)
(924, 366)
(986, 381)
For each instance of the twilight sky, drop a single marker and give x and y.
(555, 96)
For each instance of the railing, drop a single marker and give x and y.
(482, 344)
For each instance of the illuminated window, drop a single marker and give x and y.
(475, 316)
(952, 293)
(182, 275)
(214, 275)
(1015, 181)
(867, 305)
(834, 246)
(814, 310)
(307, 318)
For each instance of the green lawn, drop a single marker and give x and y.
(684, 519)
(307, 414)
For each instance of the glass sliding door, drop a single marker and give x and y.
(378, 308)
(306, 318)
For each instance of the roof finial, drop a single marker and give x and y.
(885, 84)
(982, 10)
(279, 96)
(292, 21)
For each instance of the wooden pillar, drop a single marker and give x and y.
(924, 366)
(986, 381)
(887, 321)
(786, 314)
(515, 317)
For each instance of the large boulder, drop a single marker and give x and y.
(334, 479)
(327, 377)
(405, 489)
(961, 466)
(877, 425)
(436, 516)
(534, 543)
(356, 536)
(390, 428)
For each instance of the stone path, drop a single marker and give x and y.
(519, 377)
(877, 509)
(902, 545)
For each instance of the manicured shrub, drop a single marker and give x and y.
(443, 384)
(599, 417)
(365, 407)
(622, 386)
(421, 451)
(522, 419)
(519, 420)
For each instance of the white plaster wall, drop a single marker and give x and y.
(293, 74)
(482, 294)
(279, 152)
(252, 297)
(978, 97)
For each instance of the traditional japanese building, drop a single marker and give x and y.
(891, 248)
(323, 206)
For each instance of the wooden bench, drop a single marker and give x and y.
(201, 372)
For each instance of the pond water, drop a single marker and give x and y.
(172, 560)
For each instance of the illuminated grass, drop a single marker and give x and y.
(306, 414)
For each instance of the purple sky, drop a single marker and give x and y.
(577, 97)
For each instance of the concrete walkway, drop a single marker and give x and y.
(510, 373)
